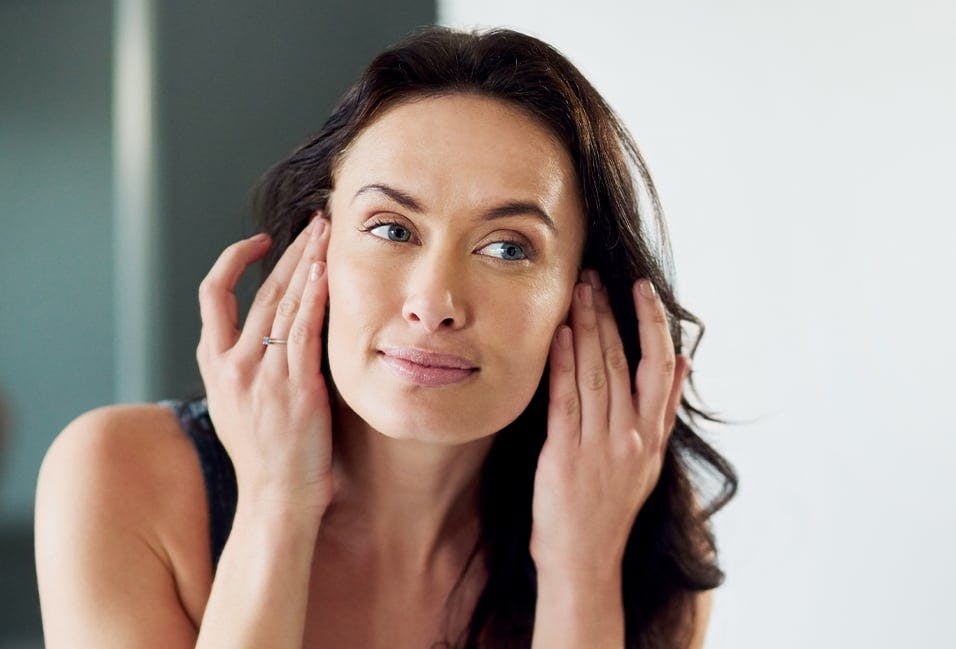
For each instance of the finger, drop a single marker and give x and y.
(263, 310)
(655, 371)
(564, 406)
(218, 308)
(681, 371)
(305, 343)
(589, 364)
(305, 337)
(620, 406)
(289, 306)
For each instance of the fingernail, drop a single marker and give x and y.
(594, 279)
(647, 288)
(320, 227)
(259, 238)
(315, 270)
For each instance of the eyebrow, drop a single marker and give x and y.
(509, 208)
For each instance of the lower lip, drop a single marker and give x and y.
(422, 375)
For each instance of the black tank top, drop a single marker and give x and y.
(217, 469)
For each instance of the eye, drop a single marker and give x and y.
(400, 231)
(510, 250)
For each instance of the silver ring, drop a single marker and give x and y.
(266, 340)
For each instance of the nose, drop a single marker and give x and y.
(434, 297)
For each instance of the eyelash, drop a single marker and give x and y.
(529, 252)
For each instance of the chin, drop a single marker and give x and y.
(409, 422)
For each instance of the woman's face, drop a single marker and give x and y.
(430, 250)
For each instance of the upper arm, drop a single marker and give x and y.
(103, 578)
(703, 603)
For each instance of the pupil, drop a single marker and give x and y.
(399, 229)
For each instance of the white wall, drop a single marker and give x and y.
(804, 154)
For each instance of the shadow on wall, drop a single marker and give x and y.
(20, 623)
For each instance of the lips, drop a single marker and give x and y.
(427, 368)
(429, 359)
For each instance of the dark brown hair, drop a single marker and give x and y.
(671, 553)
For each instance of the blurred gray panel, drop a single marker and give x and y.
(56, 316)
(237, 91)
(56, 319)
(237, 85)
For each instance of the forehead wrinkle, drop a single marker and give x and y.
(540, 182)
(501, 209)
(433, 147)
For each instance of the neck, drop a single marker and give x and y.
(403, 502)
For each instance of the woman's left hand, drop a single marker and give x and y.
(605, 445)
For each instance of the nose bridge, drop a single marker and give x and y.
(434, 293)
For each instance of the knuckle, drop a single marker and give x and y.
(566, 366)
(299, 333)
(595, 379)
(659, 316)
(616, 359)
(312, 299)
(288, 306)
(638, 444)
(270, 292)
(568, 405)
(206, 289)
(629, 446)
(234, 248)
(233, 373)
(668, 365)
(232, 254)
(588, 326)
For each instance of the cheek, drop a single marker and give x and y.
(351, 299)
(531, 316)
(351, 275)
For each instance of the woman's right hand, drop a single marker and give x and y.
(269, 404)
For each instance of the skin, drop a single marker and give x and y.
(396, 499)
(407, 456)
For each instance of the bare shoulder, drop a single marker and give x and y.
(121, 529)
(121, 432)
(138, 461)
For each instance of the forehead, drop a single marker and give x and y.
(460, 147)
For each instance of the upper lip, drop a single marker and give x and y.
(429, 358)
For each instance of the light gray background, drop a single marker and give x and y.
(804, 154)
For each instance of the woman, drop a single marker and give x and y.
(450, 417)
